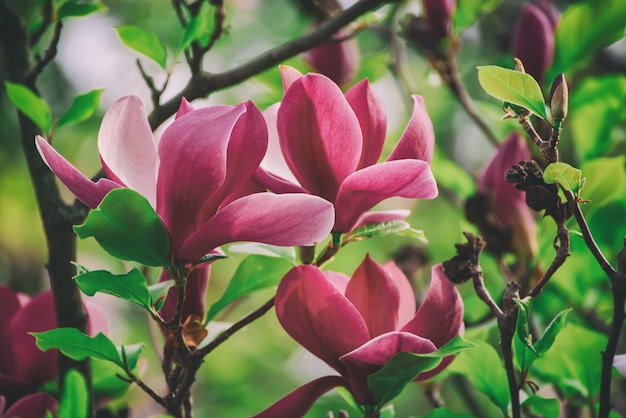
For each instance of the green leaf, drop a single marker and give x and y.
(568, 177)
(106, 383)
(522, 328)
(606, 180)
(158, 292)
(130, 286)
(74, 402)
(145, 43)
(254, 273)
(77, 8)
(382, 229)
(545, 408)
(514, 87)
(82, 108)
(483, 367)
(198, 29)
(31, 105)
(468, 12)
(584, 29)
(287, 253)
(207, 258)
(130, 354)
(403, 368)
(451, 176)
(128, 228)
(444, 413)
(554, 328)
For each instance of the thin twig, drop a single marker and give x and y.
(45, 23)
(49, 54)
(134, 379)
(562, 252)
(484, 295)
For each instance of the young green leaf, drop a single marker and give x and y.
(606, 179)
(382, 229)
(198, 29)
(158, 292)
(515, 87)
(74, 402)
(444, 413)
(130, 286)
(145, 43)
(523, 329)
(547, 339)
(254, 273)
(78, 8)
(127, 227)
(543, 407)
(287, 253)
(565, 175)
(468, 12)
(82, 108)
(31, 105)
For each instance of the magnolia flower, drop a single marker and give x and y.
(23, 366)
(357, 325)
(439, 16)
(36, 405)
(533, 40)
(337, 60)
(328, 144)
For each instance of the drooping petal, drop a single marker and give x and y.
(319, 134)
(195, 295)
(372, 119)
(288, 75)
(318, 316)
(370, 218)
(374, 293)
(184, 108)
(440, 318)
(274, 161)
(193, 151)
(84, 189)
(297, 403)
(127, 148)
(340, 280)
(370, 357)
(33, 406)
(371, 185)
(277, 184)
(338, 61)
(288, 219)
(418, 140)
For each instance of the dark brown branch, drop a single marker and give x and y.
(203, 84)
(47, 19)
(562, 252)
(134, 379)
(155, 92)
(49, 54)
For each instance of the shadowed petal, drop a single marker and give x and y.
(297, 403)
(84, 189)
(407, 306)
(340, 280)
(440, 318)
(184, 108)
(371, 185)
(418, 140)
(277, 184)
(319, 134)
(10, 304)
(338, 61)
(372, 119)
(195, 295)
(127, 148)
(318, 316)
(288, 219)
(274, 161)
(33, 406)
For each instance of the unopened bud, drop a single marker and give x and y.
(533, 41)
(559, 94)
(338, 60)
(439, 16)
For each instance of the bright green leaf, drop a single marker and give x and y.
(31, 105)
(106, 383)
(130, 354)
(545, 408)
(254, 273)
(554, 328)
(130, 286)
(483, 367)
(380, 229)
(522, 328)
(403, 368)
(198, 29)
(287, 253)
(78, 8)
(158, 292)
(606, 180)
(128, 228)
(515, 87)
(388, 411)
(568, 177)
(145, 43)
(82, 108)
(468, 12)
(208, 258)
(451, 176)
(74, 402)
(444, 413)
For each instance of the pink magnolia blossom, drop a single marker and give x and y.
(534, 39)
(30, 406)
(508, 202)
(327, 144)
(338, 61)
(23, 366)
(357, 325)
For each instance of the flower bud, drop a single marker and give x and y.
(338, 60)
(559, 98)
(533, 41)
(439, 16)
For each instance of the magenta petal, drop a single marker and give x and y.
(274, 161)
(374, 293)
(371, 185)
(184, 108)
(84, 189)
(297, 403)
(418, 140)
(338, 61)
(340, 280)
(319, 134)
(288, 75)
(33, 406)
(440, 318)
(276, 184)
(318, 316)
(372, 119)
(195, 295)
(127, 148)
(286, 220)
(407, 306)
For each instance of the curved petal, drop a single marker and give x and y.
(277, 184)
(274, 161)
(338, 61)
(371, 115)
(195, 295)
(288, 75)
(340, 280)
(297, 403)
(319, 134)
(184, 108)
(407, 305)
(84, 189)
(369, 186)
(440, 318)
(370, 218)
(193, 152)
(288, 219)
(318, 316)
(374, 293)
(418, 140)
(370, 357)
(127, 148)
(33, 406)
